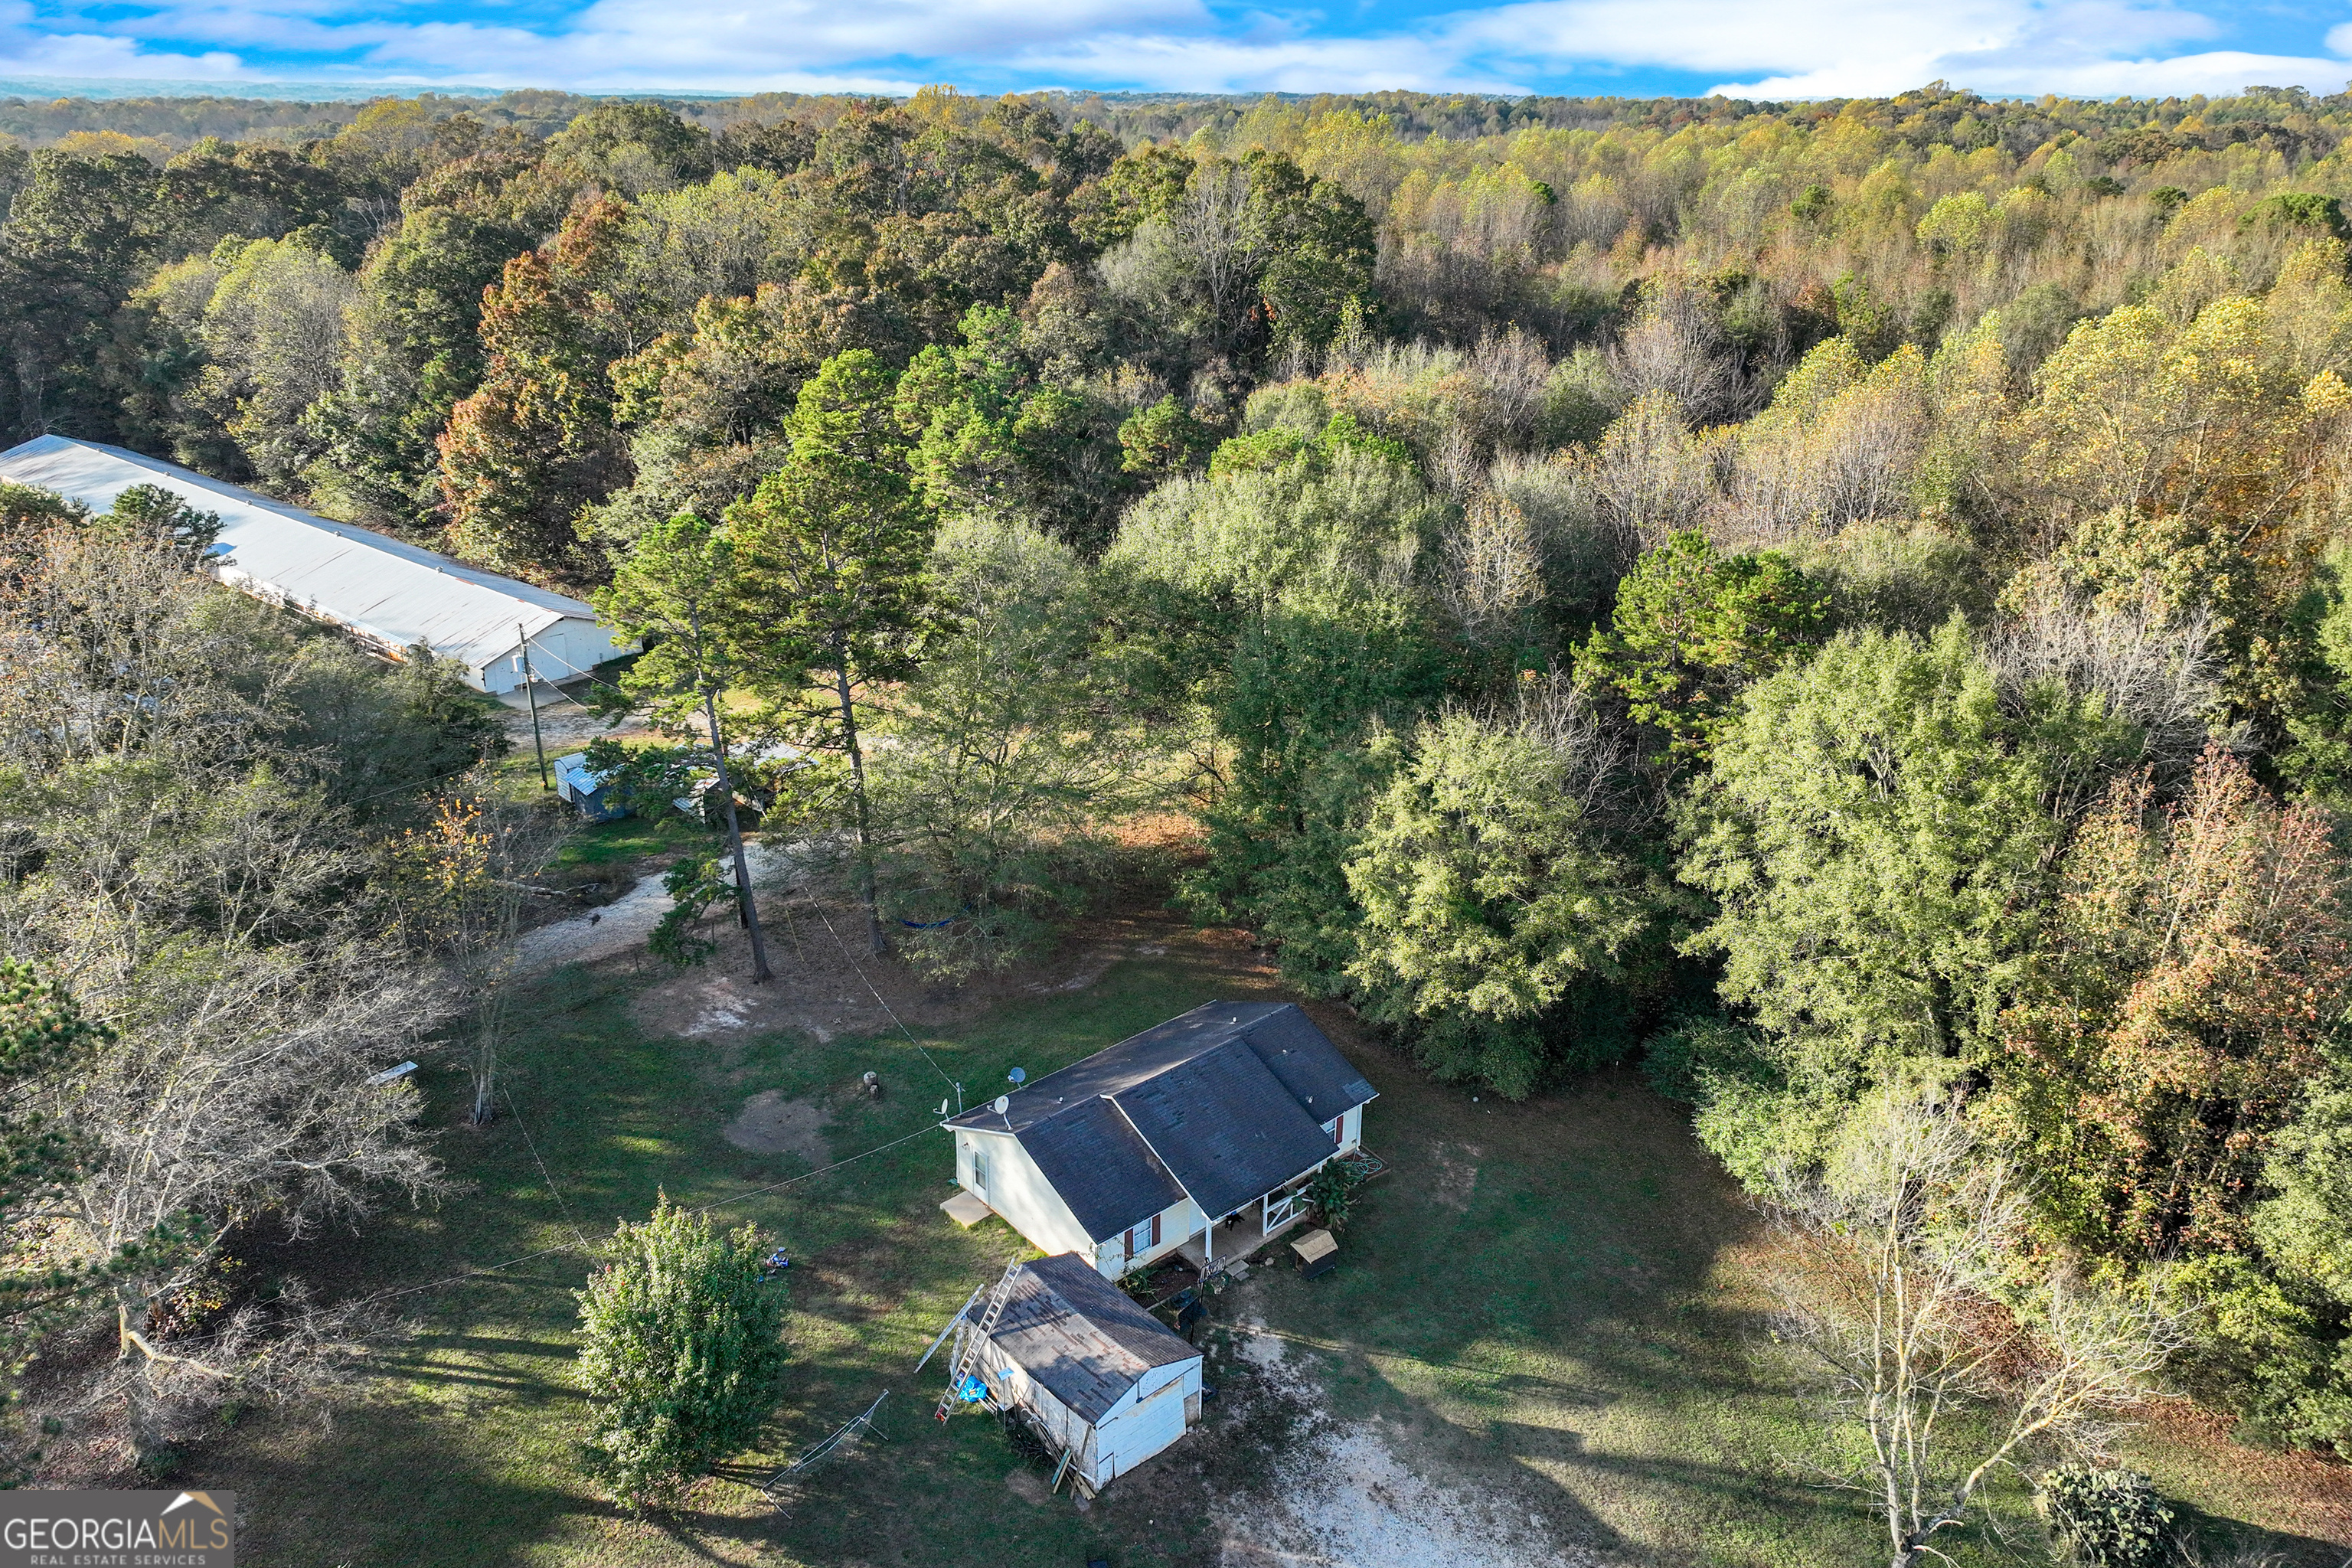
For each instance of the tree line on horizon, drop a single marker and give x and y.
(1840, 604)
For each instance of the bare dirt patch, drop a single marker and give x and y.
(565, 725)
(1455, 1176)
(1091, 966)
(621, 927)
(771, 1125)
(827, 984)
(1350, 1501)
(1361, 1494)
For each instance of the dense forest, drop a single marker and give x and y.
(1823, 601)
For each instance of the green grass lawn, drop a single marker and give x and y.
(1554, 1302)
(666, 836)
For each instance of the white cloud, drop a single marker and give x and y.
(804, 45)
(27, 47)
(2217, 73)
(1178, 63)
(1793, 49)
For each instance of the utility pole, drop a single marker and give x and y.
(537, 744)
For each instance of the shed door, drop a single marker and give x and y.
(1148, 1428)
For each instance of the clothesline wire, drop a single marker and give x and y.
(548, 1176)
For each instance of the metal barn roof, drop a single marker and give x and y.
(392, 594)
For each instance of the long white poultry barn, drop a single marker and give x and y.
(390, 595)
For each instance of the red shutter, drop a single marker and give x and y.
(1155, 1230)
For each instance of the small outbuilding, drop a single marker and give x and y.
(1100, 1380)
(587, 789)
(390, 595)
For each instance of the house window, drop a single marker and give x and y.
(1339, 1130)
(979, 1170)
(1143, 1238)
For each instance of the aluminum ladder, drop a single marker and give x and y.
(969, 1352)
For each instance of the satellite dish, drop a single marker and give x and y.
(1003, 1104)
(943, 1108)
(1019, 1076)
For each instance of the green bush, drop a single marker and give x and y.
(1333, 1193)
(2105, 1518)
(1685, 1060)
(681, 1352)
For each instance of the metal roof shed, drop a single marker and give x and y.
(390, 595)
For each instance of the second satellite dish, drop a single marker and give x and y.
(1003, 1103)
(1019, 1076)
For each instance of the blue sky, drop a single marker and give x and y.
(1792, 48)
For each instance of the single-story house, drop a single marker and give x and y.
(390, 595)
(1214, 1119)
(1098, 1377)
(584, 787)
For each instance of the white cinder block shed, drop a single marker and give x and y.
(1096, 1375)
(390, 595)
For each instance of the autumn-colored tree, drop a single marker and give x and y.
(460, 883)
(2198, 457)
(2195, 964)
(535, 443)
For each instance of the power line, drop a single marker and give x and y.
(545, 1174)
(581, 1243)
(837, 1164)
(851, 960)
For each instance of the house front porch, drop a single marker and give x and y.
(1237, 1235)
(1256, 1223)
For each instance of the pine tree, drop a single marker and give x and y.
(841, 545)
(685, 591)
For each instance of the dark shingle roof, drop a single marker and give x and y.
(1080, 1336)
(1109, 1176)
(1230, 1098)
(1227, 1127)
(1309, 1066)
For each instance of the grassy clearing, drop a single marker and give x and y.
(1554, 1304)
(632, 838)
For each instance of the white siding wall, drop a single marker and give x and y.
(570, 647)
(1177, 1226)
(1060, 1425)
(1154, 1413)
(1019, 1191)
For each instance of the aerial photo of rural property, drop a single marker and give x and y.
(1501, 783)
